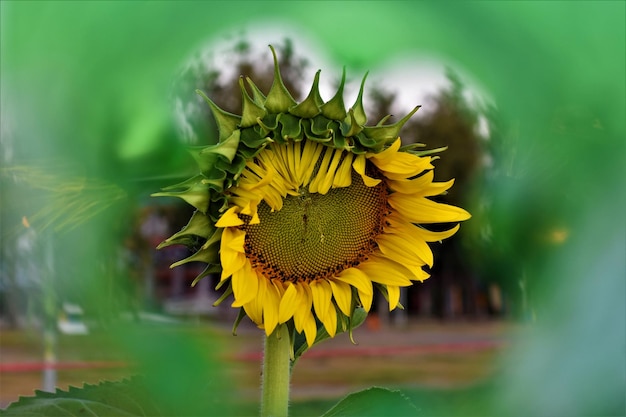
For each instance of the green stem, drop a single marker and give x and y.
(275, 389)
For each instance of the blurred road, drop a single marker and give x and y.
(428, 354)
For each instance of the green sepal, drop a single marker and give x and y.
(258, 97)
(249, 152)
(427, 152)
(207, 156)
(215, 238)
(369, 143)
(291, 127)
(189, 241)
(195, 195)
(335, 107)
(250, 111)
(227, 147)
(411, 147)
(207, 255)
(205, 161)
(198, 225)
(359, 115)
(254, 143)
(184, 184)
(387, 133)
(226, 122)
(323, 127)
(240, 316)
(217, 206)
(383, 120)
(341, 142)
(236, 168)
(216, 184)
(351, 127)
(227, 292)
(268, 125)
(310, 134)
(210, 269)
(310, 107)
(278, 99)
(358, 149)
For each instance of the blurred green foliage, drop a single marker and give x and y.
(86, 86)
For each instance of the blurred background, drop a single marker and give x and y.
(525, 312)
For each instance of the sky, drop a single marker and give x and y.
(413, 79)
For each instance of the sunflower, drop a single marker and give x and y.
(304, 210)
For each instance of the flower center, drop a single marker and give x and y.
(316, 236)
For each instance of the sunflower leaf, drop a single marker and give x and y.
(124, 398)
(373, 401)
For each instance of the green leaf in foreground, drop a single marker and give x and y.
(122, 398)
(373, 402)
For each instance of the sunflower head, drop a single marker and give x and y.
(304, 210)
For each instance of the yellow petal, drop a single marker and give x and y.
(385, 271)
(359, 167)
(418, 274)
(245, 285)
(235, 262)
(331, 320)
(254, 308)
(405, 249)
(422, 185)
(229, 218)
(394, 296)
(399, 225)
(359, 280)
(232, 256)
(288, 304)
(402, 165)
(255, 217)
(366, 300)
(329, 178)
(322, 172)
(303, 307)
(343, 296)
(322, 293)
(293, 159)
(399, 165)
(389, 152)
(436, 188)
(343, 177)
(423, 210)
(270, 308)
(262, 177)
(310, 329)
(310, 155)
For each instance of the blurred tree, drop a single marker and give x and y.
(381, 102)
(453, 122)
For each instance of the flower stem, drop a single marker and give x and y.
(275, 389)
